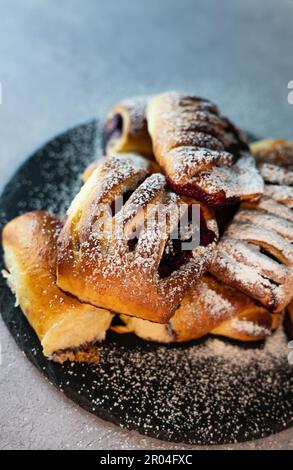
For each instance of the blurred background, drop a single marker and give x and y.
(62, 62)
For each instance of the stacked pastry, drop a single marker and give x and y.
(114, 254)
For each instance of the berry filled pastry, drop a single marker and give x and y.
(202, 154)
(124, 257)
(210, 307)
(275, 162)
(66, 328)
(125, 128)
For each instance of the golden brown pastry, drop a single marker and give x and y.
(125, 128)
(66, 328)
(273, 151)
(210, 307)
(139, 270)
(150, 165)
(201, 152)
(255, 254)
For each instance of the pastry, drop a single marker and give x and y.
(210, 307)
(201, 152)
(255, 254)
(150, 165)
(125, 128)
(67, 329)
(273, 151)
(275, 162)
(126, 259)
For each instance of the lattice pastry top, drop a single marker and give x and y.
(127, 259)
(67, 328)
(255, 255)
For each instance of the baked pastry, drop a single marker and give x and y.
(210, 307)
(126, 260)
(66, 328)
(125, 128)
(255, 254)
(201, 152)
(275, 162)
(273, 151)
(150, 165)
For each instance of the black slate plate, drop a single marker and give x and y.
(205, 392)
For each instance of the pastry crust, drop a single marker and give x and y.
(201, 152)
(125, 128)
(273, 151)
(210, 307)
(66, 328)
(151, 166)
(255, 255)
(275, 162)
(145, 276)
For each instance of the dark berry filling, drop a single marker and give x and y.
(174, 257)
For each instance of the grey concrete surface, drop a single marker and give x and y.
(64, 61)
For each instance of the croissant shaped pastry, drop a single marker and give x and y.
(66, 328)
(255, 254)
(210, 307)
(142, 271)
(201, 152)
(125, 128)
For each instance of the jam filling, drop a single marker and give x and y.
(113, 128)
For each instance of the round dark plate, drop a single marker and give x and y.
(204, 392)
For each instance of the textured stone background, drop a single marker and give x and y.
(64, 61)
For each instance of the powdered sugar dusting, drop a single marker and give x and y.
(205, 392)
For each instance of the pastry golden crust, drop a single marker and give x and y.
(202, 153)
(151, 166)
(210, 307)
(146, 275)
(255, 255)
(66, 328)
(125, 128)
